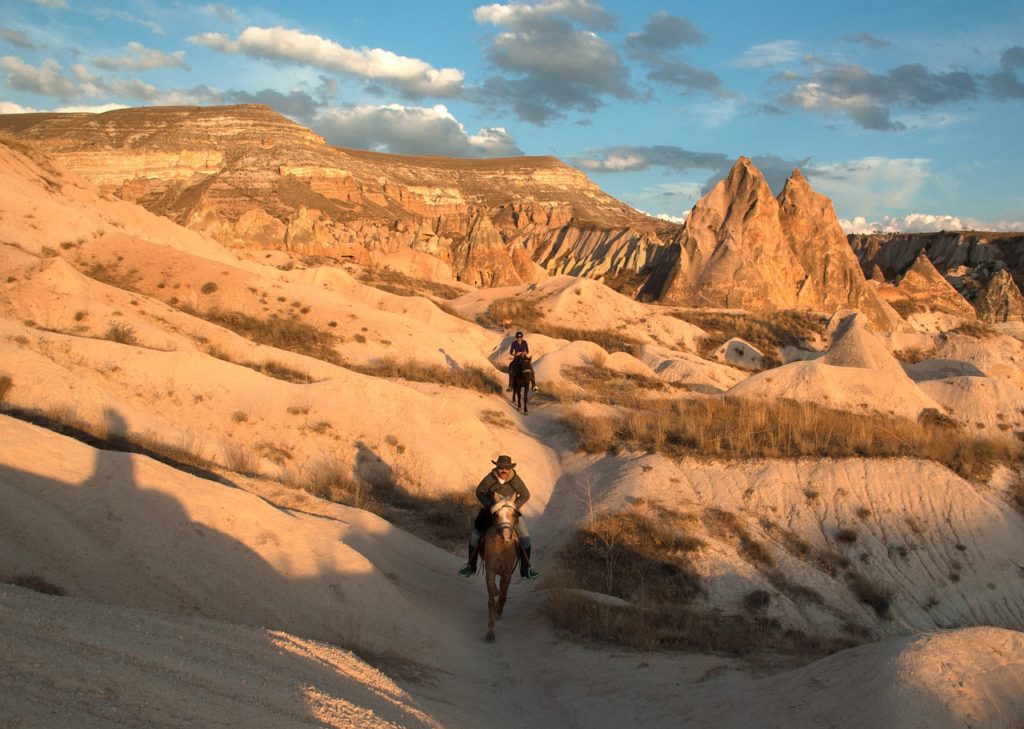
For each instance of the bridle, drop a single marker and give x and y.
(504, 511)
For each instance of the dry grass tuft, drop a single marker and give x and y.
(975, 329)
(6, 383)
(729, 428)
(600, 384)
(768, 331)
(287, 334)
(465, 377)
(401, 284)
(32, 581)
(442, 520)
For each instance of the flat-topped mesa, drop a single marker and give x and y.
(249, 177)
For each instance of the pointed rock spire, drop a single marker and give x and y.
(929, 290)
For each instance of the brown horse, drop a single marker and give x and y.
(501, 548)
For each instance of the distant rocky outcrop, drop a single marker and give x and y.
(969, 260)
(999, 300)
(923, 288)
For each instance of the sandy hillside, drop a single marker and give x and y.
(170, 408)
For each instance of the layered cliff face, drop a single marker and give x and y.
(251, 178)
(970, 261)
(744, 248)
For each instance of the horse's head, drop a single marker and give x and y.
(505, 516)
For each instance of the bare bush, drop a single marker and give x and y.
(643, 556)
(121, 332)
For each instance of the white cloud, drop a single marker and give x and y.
(673, 218)
(615, 163)
(51, 3)
(46, 79)
(409, 75)
(926, 223)
(517, 15)
(224, 12)
(9, 107)
(139, 57)
(872, 184)
(770, 54)
(411, 130)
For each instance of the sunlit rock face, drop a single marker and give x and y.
(999, 300)
(742, 247)
(251, 178)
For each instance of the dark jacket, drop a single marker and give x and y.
(513, 487)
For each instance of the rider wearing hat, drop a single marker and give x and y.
(501, 481)
(518, 349)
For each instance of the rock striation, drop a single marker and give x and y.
(967, 259)
(999, 300)
(923, 288)
(251, 178)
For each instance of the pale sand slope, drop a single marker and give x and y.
(127, 531)
(73, 663)
(857, 373)
(581, 303)
(168, 388)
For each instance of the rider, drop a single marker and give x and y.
(503, 481)
(518, 349)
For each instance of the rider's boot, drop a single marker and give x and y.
(470, 567)
(525, 570)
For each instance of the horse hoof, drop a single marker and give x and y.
(490, 636)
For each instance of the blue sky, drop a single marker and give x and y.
(910, 115)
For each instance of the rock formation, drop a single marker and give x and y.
(923, 288)
(999, 300)
(743, 248)
(967, 259)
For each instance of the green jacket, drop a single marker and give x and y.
(513, 487)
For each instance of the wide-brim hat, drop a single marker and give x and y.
(504, 462)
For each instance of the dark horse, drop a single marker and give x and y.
(523, 381)
(501, 549)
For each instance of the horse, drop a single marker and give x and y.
(501, 551)
(523, 381)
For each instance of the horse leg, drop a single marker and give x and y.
(491, 590)
(506, 578)
(526, 397)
